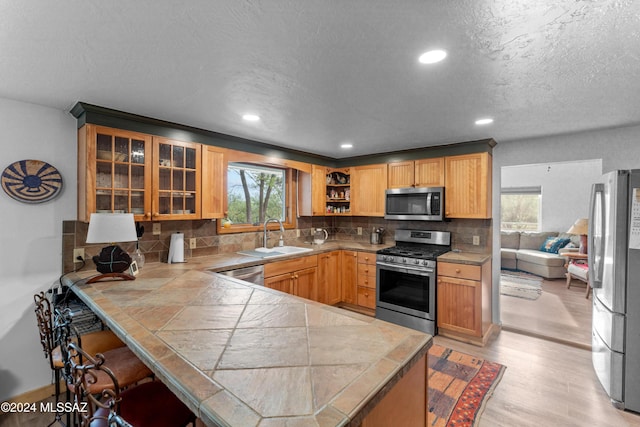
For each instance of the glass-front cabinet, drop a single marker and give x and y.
(176, 178)
(128, 172)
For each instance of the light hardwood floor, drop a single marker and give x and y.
(545, 384)
(560, 314)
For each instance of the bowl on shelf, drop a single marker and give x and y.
(106, 155)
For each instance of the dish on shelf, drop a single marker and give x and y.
(106, 155)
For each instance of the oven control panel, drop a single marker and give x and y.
(391, 259)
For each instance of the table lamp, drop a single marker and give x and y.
(581, 227)
(111, 228)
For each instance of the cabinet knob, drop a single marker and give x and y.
(457, 270)
(439, 280)
(366, 282)
(355, 255)
(147, 215)
(156, 214)
(366, 295)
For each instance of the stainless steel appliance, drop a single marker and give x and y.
(254, 274)
(420, 204)
(406, 278)
(614, 274)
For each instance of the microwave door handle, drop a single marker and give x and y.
(596, 252)
(429, 195)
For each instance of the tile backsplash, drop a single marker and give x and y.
(208, 242)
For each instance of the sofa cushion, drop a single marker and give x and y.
(535, 240)
(553, 244)
(506, 253)
(510, 239)
(534, 256)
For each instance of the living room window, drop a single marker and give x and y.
(520, 208)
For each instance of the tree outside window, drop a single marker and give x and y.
(255, 193)
(521, 209)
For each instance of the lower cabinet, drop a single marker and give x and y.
(296, 276)
(464, 301)
(349, 275)
(329, 278)
(329, 283)
(367, 280)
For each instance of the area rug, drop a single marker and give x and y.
(520, 285)
(459, 387)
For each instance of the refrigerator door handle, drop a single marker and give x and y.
(596, 242)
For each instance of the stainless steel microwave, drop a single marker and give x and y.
(420, 204)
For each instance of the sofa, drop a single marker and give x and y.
(524, 251)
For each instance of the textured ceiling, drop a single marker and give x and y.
(320, 73)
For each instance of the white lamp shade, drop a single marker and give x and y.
(111, 228)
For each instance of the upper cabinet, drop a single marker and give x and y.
(418, 173)
(214, 182)
(368, 190)
(468, 186)
(129, 172)
(338, 191)
(114, 172)
(176, 179)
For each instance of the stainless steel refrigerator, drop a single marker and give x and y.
(614, 274)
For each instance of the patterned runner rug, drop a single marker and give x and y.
(459, 386)
(520, 285)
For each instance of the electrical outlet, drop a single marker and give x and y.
(359, 231)
(476, 240)
(156, 228)
(78, 252)
(297, 232)
(192, 243)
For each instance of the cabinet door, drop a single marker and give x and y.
(114, 172)
(305, 283)
(468, 186)
(368, 190)
(429, 172)
(282, 282)
(329, 285)
(214, 182)
(459, 304)
(318, 190)
(401, 174)
(349, 269)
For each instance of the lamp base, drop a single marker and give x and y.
(583, 244)
(111, 276)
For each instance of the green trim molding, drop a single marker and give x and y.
(102, 116)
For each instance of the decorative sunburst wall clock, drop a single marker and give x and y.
(31, 181)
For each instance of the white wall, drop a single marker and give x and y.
(31, 238)
(619, 148)
(565, 189)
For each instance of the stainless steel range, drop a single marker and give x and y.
(406, 273)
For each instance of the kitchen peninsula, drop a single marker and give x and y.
(244, 355)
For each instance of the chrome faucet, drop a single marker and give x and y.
(267, 231)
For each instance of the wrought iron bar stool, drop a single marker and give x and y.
(149, 404)
(55, 326)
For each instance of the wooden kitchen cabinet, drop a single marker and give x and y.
(114, 172)
(368, 185)
(214, 182)
(349, 273)
(366, 280)
(296, 276)
(121, 171)
(416, 173)
(312, 195)
(468, 186)
(329, 283)
(464, 301)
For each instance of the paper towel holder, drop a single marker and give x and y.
(176, 249)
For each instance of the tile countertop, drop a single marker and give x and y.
(464, 258)
(243, 355)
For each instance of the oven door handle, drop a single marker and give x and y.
(423, 271)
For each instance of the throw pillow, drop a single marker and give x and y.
(553, 244)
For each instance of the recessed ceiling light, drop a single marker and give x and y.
(485, 121)
(432, 56)
(251, 117)
(346, 145)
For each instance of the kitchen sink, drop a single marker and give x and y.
(276, 251)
